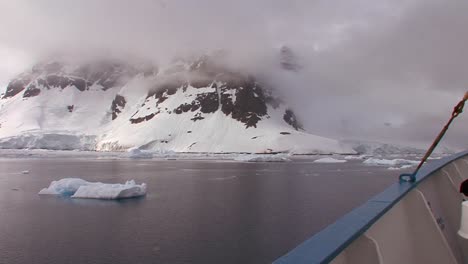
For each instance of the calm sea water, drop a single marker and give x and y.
(195, 211)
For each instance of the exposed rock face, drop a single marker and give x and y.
(162, 92)
(290, 118)
(70, 108)
(238, 96)
(59, 81)
(53, 75)
(107, 74)
(16, 86)
(288, 59)
(250, 103)
(141, 119)
(31, 91)
(117, 105)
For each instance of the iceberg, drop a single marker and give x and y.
(388, 162)
(65, 187)
(356, 157)
(79, 188)
(329, 160)
(400, 168)
(263, 158)
(136, 153)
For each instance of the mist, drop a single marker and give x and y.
(375, 70)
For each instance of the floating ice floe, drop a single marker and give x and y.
(223, 178)
(136, 153)
(329, 160)
(263, 158)
(390, 162)
(25, 172)
(356, 157)
(79, 188)
(400, 168)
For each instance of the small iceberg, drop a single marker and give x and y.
(136, 153)
(263, 158)
(356, 157)
(388, 162)
(329, 160)
(79, 188)
(401, 168)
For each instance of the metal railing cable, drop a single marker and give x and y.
(457, 110)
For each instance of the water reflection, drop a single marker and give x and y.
(194, 212)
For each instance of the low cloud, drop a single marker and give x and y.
(386, 70)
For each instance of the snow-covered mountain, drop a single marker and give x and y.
(186, 106)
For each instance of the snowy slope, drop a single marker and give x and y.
(187, 106)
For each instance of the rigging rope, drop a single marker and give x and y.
(457, 110)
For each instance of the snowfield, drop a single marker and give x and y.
(79, 188)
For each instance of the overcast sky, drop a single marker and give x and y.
(381, 70)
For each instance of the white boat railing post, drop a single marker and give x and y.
(463, 231)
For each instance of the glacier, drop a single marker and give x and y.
(385, 149)
(79, 188)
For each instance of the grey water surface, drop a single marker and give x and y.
(194, 212)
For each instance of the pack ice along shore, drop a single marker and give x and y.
(185, 106)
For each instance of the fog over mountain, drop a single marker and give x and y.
(377, 70)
